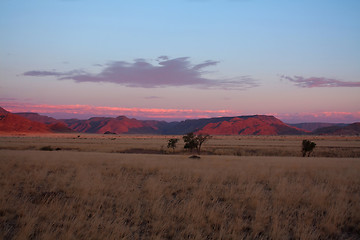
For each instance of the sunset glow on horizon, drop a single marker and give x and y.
(86, 112)
(174, 60)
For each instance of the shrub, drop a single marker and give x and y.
(307, 147)
(46, 148)
(172, 143)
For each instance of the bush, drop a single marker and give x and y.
(46, 148)
(172, 143)
(307, 147)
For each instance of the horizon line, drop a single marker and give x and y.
(85, 112)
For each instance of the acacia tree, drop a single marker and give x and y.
(193, 141)
(172, 143)
(200, 140)
(190, 141)
(307, 147)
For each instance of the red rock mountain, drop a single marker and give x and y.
(117, 125)
(251, 125)
(241, 125)
(13, 123)
(60, 127)
(53, 124)
(245, 125)
(38, 118)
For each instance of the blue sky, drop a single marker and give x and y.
(298, 60)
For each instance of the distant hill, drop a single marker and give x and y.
(60, 127)
(37, 117)
(351, 129)
(251, 125)
(117, 125)
(240, 125)
(315, 125)
(53, 124)
(13, 123)
(190, 125)
(244, 125)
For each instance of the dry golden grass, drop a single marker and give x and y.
(97, 195)
(327, 146)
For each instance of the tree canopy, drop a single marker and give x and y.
(194, 141)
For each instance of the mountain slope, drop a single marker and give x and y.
(312, 126)
(351, 129)
(245, 125)
(117, 125)
(190, 125)
(251, 125)
(37, 117)
(241, 125)
(13, 123)
(53, 124)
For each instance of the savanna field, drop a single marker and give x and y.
(83, 186)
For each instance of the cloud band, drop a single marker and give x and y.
(166, 73)
(318, 82)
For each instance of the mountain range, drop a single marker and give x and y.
(29, 123)
(239, 125)
(312, 126)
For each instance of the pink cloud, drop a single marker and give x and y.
(169, 114)
(319, 82)
(86, 111)
(142, 73)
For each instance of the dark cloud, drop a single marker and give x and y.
(319, 82)
(43, 73)
(52, 73)
(142, 73)
(163, 58)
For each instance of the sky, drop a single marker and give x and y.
(298, 60)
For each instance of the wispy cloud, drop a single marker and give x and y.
(328, 116)
(7, 99)
(36, 73)
(312, 82)
(86, 111)
(166, 72)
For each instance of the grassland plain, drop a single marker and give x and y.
(327, 146)
(88, 190)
